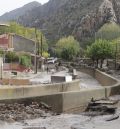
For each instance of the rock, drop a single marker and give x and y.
(45, 105)
(38, 111)
(18, 112)
(10, 120)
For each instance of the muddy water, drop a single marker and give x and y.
(87, 81)
(66, 122)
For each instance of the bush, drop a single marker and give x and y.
(25, 60)
(45, 54)
(11, 57)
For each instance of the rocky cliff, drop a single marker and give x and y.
(81, 18)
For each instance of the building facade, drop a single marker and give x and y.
(16, 43)
(6, 42)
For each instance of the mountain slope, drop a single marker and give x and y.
(15, 14)
(81, 18)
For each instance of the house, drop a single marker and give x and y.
(5, 42)
(17, 43)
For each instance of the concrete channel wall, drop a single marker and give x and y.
(105, 79)
(109, 83)
(63, 97)
(16, 92)
(77, 101)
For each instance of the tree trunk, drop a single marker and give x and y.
(97, 62)
(93, 62)
(101, 64)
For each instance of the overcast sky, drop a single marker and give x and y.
(8, 5)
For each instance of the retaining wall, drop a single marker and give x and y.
(50, 93)
(63, 97)
(105, 79)
(16, 92)
(78, 101)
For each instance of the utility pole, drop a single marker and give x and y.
(41, 44)
(1, 68)
(1, 59)
(38, 48)
(116, 56)
(35, 61)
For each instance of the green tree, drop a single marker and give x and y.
(108, 31)
(100, 50)
(67, 48)
(4, 29)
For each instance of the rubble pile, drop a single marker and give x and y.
(101, 107)
(17, 112)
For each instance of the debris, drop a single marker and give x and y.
(17, 112)
(101, 107)
(45, 105)
(107, 102)
(113, 117)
